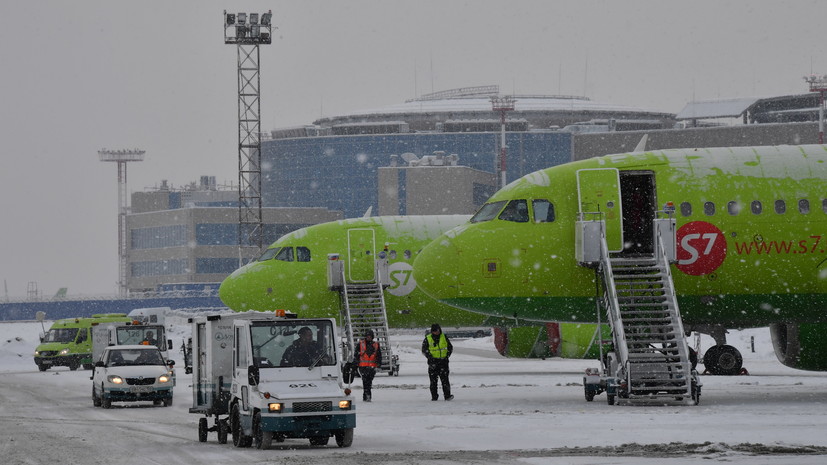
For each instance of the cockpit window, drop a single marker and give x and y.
(516, 210)
(285, 254)
(488, 212)
(302, 254)
(543, 211)
(268, 254)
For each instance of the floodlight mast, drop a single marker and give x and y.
(503, 105)
(247, 33)
(819, 84)
(122, 157)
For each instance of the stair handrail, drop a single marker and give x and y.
(386, 352)
(677, 321)
(347, 323)
(612, 304)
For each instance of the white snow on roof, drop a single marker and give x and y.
(484, 105)
(727, 108)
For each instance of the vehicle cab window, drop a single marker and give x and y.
(302, 254)
(269, 253)
(487, 212)
(543, 211)
(516, 211)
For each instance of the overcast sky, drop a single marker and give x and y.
(83, 75)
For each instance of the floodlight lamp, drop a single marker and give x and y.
(265, 18)
(229, 19)
(253, 18)
(242, 18)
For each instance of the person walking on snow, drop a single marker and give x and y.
(368, 358)
(437, 349)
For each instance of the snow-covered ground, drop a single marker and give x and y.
(505, 411)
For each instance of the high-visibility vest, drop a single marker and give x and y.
(439, 350)
(366, 360)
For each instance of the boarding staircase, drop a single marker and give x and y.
(363, 308)
(651, 357)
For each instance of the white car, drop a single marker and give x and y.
(130, 373)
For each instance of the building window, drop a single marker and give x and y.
(780, 207)
(159, 237)
(756, 207)
(709, 208)
(686, 209)
(215, 265)
(824, 205)
(160, 267)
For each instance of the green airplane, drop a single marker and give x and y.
(751, 244)
(292, 274)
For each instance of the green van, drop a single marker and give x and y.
(69, 341)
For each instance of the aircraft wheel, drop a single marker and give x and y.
(723, 360)
(202, 429)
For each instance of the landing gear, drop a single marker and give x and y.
(723, 360)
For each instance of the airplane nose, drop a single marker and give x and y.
(235, 290)
(436, 269)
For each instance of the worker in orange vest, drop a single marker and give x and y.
(368, 358)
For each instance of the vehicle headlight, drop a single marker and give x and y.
(114, 379)
(276, 408)
(64, 351)
(344, 404)
(164, 378)
(37, 353)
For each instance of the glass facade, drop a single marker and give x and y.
(160, 267)
(340, 172)
(159, 237)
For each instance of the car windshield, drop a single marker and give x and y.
(61, 335)
(141, 335)
(488, 212)
(124, 357)
(293, 344)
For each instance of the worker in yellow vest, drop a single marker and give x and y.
(437, 349)
(368, 359)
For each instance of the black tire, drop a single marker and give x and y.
(202, 429)
(610, 399)
(696, 394)
(96, 401)
(42, 367)
(319, 440)
(87, 366)
(106, 402)
(168, 402)
(223, 431)
(239, 438)
(723, 360)
(589, 394)
(344, 437)
(74, 365)
(262, 439)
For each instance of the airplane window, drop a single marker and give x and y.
(733, 208)
(543, 211)
(824, 205)
(686, 209)
(756, 207)
(516, 210)
(302, 254)
(709, 208)
(392, 254)
(285, 255)
(780, 207)
(488, 212)
(804, 206)
(269, 253)
(407, 255)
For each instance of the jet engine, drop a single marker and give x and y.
(801, 345)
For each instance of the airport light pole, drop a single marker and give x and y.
(122, 157)
(502, 105)
(247, 32)
(818, 84)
